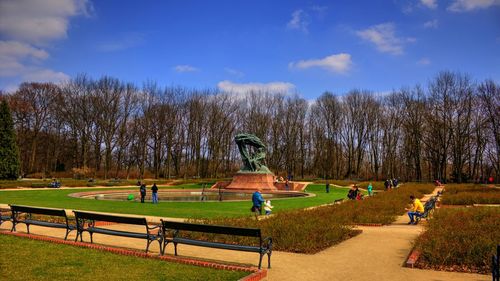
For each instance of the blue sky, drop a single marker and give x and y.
(304, 47)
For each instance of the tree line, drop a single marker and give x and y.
(446, 130)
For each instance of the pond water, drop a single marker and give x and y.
(184, 195)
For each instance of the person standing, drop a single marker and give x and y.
(287, 187)
(142, 189)
(257, 201)
(154, 195)
(370, 189)
(327, 187)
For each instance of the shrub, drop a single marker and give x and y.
(377, 185)
(470, 194)
(39, 184)
(460, 239)
(80, 173)
(300, 231)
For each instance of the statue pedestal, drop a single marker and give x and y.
(252, 181)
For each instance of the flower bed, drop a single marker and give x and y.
(470, 194)
(460, 240)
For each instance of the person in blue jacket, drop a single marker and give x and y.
(257, 201)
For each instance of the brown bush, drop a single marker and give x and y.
(460, 239)
(470, 194)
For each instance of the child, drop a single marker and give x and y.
(268, 207)
(370, 189)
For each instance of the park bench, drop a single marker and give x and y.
(24, 214)
(429, 207)
(3, 215)
(265, 245)
(86, 221)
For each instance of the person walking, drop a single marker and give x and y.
(257, 201)
(268, 207)
(370, 189)
(142, 189)
(387, 184)
(154, 195)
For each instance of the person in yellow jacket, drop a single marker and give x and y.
(416, 210)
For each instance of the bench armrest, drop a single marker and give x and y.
(153, 227)
(269, 243)
(150, 229)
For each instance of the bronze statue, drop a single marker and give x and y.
(253, 153)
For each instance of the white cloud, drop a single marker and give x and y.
(424, 61)
(470, 5)
(234, 72)
(431, 4)
(28, 25)
(431, 24)
(185, 68)
(339, 63)
(45, 75)
(11, 88)
(384, 38)
(244, 88)
(299, 21)
(14, 54)
(39, 21)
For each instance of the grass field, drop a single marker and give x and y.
(58, 198)
(38, 260)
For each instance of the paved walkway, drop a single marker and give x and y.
(376, 254)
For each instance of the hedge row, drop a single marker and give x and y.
(460, 239)
(471, 194)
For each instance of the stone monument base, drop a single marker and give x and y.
(252, 181)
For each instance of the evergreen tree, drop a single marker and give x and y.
(9, 153)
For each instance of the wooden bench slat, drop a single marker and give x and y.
(217, 245)
(17, 210)
(110, 218)
(118, 232)
(82, 218)
(217, 229)
(38, 210)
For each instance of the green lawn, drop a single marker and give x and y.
(37, 260)
(59, 198)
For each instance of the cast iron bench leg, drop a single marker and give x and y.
(147, 246)
(268, 260)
